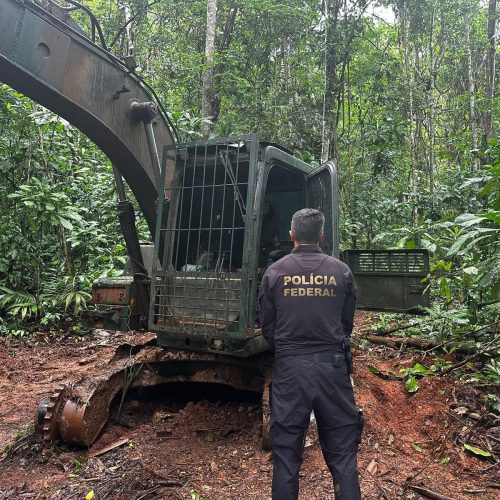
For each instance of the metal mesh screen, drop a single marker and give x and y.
(202, 262)
(388, 261)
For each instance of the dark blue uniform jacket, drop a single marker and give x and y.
(307, 302)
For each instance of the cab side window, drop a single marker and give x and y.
(284, 195)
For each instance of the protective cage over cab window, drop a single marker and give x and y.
(202, 285)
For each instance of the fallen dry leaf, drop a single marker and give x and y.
(372, 467)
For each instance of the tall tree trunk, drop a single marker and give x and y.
(328, 148)
(129, 30)
(435, 61)
(68, 258)
(432, 104)
(207, 94)
(338, 42)
(405, 29)
(222, 48)
(472, 88)
(490, 71)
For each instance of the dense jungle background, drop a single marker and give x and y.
(401, 93)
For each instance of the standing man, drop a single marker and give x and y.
(307, 304)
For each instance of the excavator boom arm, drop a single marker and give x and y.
(45, 56)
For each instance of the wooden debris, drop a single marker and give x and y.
(428, 493)
(470, 358)
(429, 345)
(397, 342)
(170, 483)
(112, 446)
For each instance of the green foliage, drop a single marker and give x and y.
(493, 402)
(491, 373)
(18, 303)
(188, 126)
(79, 463)
(440, 364)
(411, 376)
(58, 228)
(465, 266)
(24, 431)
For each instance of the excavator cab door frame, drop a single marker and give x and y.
(322, 194)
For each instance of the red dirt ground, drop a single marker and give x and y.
(189, 445)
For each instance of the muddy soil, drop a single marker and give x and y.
(193, 442)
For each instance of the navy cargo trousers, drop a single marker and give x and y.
(306, 382)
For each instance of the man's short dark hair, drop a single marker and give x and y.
(307, 224)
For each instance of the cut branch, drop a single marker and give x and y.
(428, 493)
(427, 345)
(470, 358)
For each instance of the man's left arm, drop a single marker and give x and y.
(267, 311)
(349, 304)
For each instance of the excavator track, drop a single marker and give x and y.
(77, 413)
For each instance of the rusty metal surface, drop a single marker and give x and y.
(54, 64)
(50, 429)
(111, 292)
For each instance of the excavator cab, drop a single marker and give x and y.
(230, 205)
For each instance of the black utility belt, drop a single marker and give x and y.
(335, 358)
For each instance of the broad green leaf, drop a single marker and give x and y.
(493, 216)
(477, 451)
(69, 298)
(471, 270)
(402, 242)
(467, 220)
(466, 241)
(428, 245)
(419, 369)
(65, 223)
(73, 215)
(411, 384)
(458, 244)
(471, 181)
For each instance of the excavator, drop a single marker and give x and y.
(218, 212)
